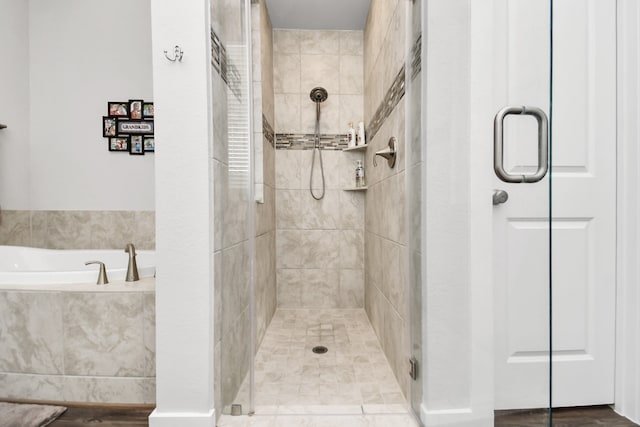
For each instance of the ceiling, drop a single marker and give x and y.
(318, 14)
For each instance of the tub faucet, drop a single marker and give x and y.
(102, 274)
(132, 269)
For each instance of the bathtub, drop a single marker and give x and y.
(64, 338)
(33, 266)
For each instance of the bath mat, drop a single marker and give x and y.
(27, 415)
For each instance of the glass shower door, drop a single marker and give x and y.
(232, 165)
(560, 338)
(414, 179)
(479, 205)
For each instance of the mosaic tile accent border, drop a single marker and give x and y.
(268, 132)
(220, 62)
(391, 99)
(296, 141)
(416, 57)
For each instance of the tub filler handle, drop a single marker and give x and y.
(102, 275)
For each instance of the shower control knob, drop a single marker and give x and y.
(500, 196)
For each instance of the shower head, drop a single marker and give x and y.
(318, 94)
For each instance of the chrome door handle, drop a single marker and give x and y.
(500, 196)
(543, 144)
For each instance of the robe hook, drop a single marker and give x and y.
(177, 54)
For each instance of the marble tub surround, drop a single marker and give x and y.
(352, 377)
(78, 346)
(386, 289)
(77, 229)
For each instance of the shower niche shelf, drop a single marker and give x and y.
(356, 188)
(356, 148)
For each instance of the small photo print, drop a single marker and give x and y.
(109, 126)
(119, 143)
(149, 143)
(147, 109)
(136, 146)
(118, 109)
(135, 109)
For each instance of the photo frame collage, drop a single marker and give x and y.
(129, 126)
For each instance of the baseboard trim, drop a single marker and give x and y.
(182, 419)
(460, 417)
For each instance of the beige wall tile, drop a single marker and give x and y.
(235, 357)
(352, 249)
(286, 76)
(320, 249)
(288, 253)
(320, 70)
(352, 210)
(235, 216)
(289, 288)
(286, 41)
(289, 209)
(319, 288)
(235, 284)
(288, 169)
(319, 42)
(351, 110)
(15, 228)
(266, 212)
(351, 293)
(351, 75)
(287, 109)
(321, 214)
(351, 43)
(329, 114)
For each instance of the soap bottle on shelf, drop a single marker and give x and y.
(360, 139)
(351, 136)
(360, 182)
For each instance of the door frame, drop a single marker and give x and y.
(627, 377)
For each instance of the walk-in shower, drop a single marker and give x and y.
(317, 95)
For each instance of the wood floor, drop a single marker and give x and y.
(83, 416)
(592, 416)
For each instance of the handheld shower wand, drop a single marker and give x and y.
(317, 95)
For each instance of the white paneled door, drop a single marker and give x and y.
(583, 189)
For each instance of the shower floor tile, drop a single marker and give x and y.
(395, 420)
(352, 377)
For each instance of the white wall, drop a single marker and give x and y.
(75, 55)
(457, 304)
(184, 283)
(14, 105)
